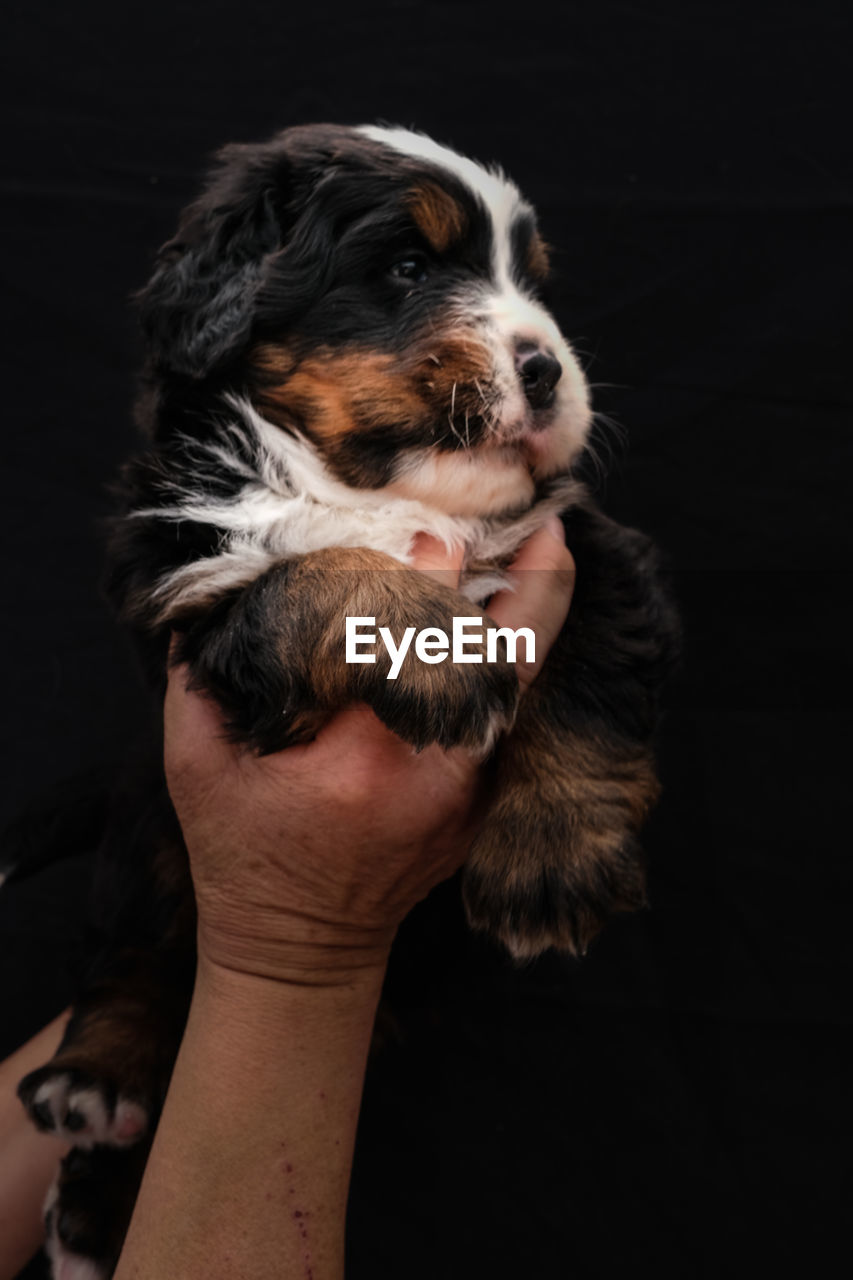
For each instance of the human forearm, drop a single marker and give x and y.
(304, 863)
(262, 1110)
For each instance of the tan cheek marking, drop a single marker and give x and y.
(439, 218)
(461, 361)
(336, 393)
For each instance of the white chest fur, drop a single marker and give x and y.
(287, 504)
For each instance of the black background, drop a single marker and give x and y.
(674, 1103)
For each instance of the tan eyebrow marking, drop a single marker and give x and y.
(440, 218)
(538, 263)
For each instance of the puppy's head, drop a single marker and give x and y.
(377, 294)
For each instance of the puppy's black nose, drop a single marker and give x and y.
(539, 371)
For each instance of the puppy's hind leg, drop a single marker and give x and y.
(559, 850)
(108, 1079)
(88, 1210)
(103, 1091)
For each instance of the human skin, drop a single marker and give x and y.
(304, 864)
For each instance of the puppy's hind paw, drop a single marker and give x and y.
(80, 1109)
(65, 1263)
(558, 853)
(88, 1209)
(549, 884)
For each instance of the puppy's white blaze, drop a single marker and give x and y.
(515, 316)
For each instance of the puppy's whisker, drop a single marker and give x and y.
(451, 418)
(605, 440)
(613, 431)
(451, 415)
(608, 386)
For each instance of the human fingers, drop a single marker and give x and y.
(196, 740)
(430, 555)
(543, 579)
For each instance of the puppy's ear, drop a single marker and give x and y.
(197, 308)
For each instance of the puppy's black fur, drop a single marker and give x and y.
(348, 321)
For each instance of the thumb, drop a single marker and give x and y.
(543, 578)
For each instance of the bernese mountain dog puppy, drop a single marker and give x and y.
(346, 345)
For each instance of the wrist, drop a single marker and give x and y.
(258, 1127)
(310, 957)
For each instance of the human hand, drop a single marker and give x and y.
(306, 861)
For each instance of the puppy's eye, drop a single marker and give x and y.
(414, 268)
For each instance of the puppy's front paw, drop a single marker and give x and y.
(87, 1112)
(278, 658)
(454, 705)
(558, 853)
